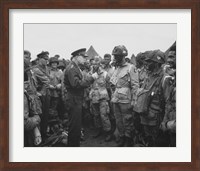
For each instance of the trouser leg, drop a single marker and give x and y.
(104, 110)
(45, 114)
(119, 119)
(151, 134)
(96, 114)
(75, 117)
(127, 119)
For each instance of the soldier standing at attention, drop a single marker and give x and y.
(125, 82)
(75, 84)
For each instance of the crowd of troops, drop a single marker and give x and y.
(132, 104)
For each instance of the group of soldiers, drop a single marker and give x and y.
(133, 104)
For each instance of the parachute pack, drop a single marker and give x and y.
(144, 97)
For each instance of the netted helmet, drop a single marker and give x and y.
(120, 50)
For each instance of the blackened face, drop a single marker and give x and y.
(150, 65)
(118, 59)
(172, 62)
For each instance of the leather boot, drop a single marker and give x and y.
(121, 142)
(128, 142)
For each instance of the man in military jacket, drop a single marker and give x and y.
(169, 121)
(75, 84)
(32, 106)
(125, 82)
(152, 119)
(41, 76)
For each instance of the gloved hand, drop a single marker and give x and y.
(95, 75)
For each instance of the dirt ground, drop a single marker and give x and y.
(90, 141)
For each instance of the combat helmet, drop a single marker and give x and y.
(53, 60)
(120, 50)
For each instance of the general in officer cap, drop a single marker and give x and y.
(79, 52)
(43, 54)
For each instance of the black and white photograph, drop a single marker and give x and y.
(99, 84)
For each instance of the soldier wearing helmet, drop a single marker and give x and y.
(125, 83)
(99, 99)
(156, 92)
(55, 89)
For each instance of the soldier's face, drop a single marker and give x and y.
(27, 58)
(107, 60)
(150, 66)
(54, 65)
(118, 59)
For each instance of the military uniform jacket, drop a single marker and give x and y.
(73, 80)
(55, 79)
(170, 106)
(159, 95)
(42, 79)
(99, 87)
(125, 80)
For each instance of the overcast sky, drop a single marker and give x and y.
(63, 39)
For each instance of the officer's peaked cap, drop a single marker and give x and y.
(43, 54)
(81, 52)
